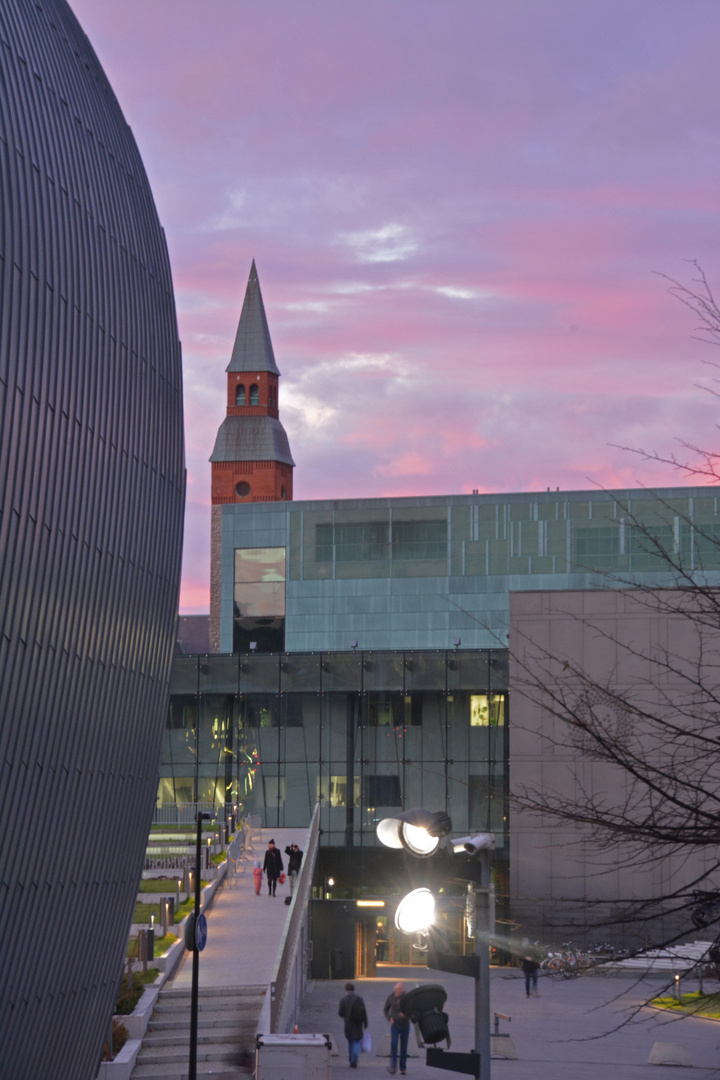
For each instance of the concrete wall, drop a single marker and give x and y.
(618, 638)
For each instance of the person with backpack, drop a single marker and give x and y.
(352, 1010)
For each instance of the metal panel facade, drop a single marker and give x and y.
(416, 573)
(91, 504)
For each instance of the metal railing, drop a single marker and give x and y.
(290, 968)
(184, 813)
(242, 848)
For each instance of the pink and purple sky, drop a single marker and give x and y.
(456, 208)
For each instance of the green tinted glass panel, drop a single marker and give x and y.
(261, 599)
(259, 564)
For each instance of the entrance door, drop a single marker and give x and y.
(365, 948)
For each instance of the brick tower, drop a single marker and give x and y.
(251, 460)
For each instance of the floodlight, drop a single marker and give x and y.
(354, 644)
(415, 912)
(253, 646)
(418, 831)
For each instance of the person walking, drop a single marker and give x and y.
(352, 1010)
(273, 866)
(399, 1029)
(295, 856)
(530, 969)
(257, 876)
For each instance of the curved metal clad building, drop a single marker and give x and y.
(91, 504)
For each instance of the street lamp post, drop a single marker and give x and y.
(484, 919)
(422, 833)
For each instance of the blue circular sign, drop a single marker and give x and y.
(201, 933)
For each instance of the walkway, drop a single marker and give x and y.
(245, 931)
(555, 1034)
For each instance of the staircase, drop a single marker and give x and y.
(227, 1022)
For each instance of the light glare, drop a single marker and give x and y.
(415, 912)
(388, 832)
(418, 840)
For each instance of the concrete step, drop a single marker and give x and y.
(205, 1035)
(166, 1055)
(212, 1008)
(180, 1072)
(174, 994)
(205, 1023)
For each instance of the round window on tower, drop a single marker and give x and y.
(242, 489)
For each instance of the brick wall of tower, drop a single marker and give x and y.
(215, 576)
(250, 481)
(267, 385)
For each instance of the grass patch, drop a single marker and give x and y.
(131, 991)
(221, 857)
(163, 885)
(144, 911)
(162, 944)
(695, 1004)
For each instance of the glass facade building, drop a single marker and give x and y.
(417, 573)
(365, 733)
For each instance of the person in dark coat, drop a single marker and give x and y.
(352, 1010)
(530, 969)
(294, 855)
(273, 866)
(399, 1028)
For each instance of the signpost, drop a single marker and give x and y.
(195, 938)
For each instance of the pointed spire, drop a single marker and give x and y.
(253, 349)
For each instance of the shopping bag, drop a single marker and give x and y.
(366, 1045)
(281, 879)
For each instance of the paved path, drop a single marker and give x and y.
(555, 1034)
(245, 931)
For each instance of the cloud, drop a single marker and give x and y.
(456, 211)
(391, 243)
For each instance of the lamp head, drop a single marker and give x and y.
(417, 831)
(415, 912)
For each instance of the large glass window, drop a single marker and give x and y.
(596, 547)
(700, 545)
(382, 791)
(353, 543)
(650, 546)
(259, 599)
(334, 790)
(487, 710)
(371, 540)
(419, 540)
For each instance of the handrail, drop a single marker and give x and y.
(284, 966)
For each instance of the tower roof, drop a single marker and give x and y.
(253, 349)
(252, 438)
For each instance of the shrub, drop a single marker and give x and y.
(119, 1038)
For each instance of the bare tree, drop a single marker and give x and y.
(629, 722)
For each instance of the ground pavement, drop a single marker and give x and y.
(245, 931)
(555, 1034)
